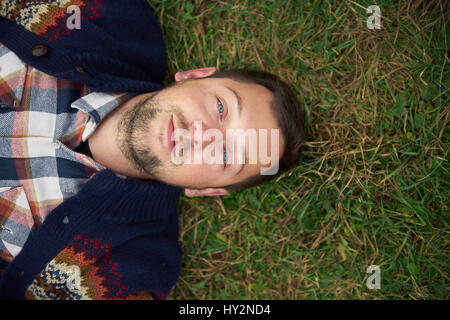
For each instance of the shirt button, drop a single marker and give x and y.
(56, 145)
(39, 50)
(80, 69)
(89, 125)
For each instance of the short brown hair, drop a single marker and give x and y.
(290, 114)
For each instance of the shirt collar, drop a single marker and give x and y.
(98, 105)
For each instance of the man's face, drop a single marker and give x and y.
(193, 106)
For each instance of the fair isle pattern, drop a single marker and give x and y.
(53, 282)
(42, 120)
(84, 270)
(47, 18)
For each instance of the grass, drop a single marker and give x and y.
(372, 184)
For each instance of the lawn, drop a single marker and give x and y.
(372, 184)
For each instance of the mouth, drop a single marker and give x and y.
(170, 130)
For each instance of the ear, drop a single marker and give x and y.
(194, 74)
(208, 192)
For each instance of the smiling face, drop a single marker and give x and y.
(209, 103)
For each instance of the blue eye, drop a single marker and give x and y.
(220, 108)
(225, 158)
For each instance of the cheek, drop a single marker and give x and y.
(203, 174)
(187, 100)
(199, 170)
(196, 104)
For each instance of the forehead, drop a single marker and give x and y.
(257, 114)
(256, 101)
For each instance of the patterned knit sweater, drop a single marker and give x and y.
(118, 47)
(117, 238)
(101, 244)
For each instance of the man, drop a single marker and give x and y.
(88, 181)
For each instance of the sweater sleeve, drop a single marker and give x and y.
(116, 239)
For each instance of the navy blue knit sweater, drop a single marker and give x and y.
(116, 239)
(118, 48)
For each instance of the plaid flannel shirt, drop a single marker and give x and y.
(42, 120)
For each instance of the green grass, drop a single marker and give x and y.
(372, 184)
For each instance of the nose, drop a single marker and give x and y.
(197, 131)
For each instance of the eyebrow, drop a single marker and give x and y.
(239, 108)
(239, 100)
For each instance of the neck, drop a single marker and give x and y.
(105, 147)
